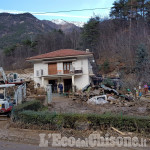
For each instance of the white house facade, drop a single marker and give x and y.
(68, 67)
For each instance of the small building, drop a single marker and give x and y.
(68, 67)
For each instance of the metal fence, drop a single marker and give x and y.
(20, 94)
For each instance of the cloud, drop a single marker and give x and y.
(43, 14)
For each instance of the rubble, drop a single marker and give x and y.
(109, 89)
(111, 98)
(91, 91)
(93, 95)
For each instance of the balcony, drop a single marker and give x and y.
(71, 71)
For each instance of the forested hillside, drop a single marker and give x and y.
(23, 35)
(120, 42)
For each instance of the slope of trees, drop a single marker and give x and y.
(14, 56)
(90, 34)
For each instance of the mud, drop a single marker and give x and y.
(67, 105)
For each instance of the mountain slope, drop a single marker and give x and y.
(17, 27)
(14, 28)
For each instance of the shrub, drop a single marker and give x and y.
(57, 121)
(31, 105)
(70, 119)
(106, 66)
(41, 117)
(34, 112)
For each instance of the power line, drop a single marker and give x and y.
(70, 10)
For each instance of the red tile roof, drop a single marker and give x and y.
(60, 53)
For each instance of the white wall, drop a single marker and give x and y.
(82, 80)
(39, 66)
(81, 63)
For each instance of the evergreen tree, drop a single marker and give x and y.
(126, 9)
(119, 10)
(142, 63)
(90, 34)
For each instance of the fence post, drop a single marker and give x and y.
(24, 90)
(20, 93)
(49, 93)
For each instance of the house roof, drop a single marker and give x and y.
(60, 53)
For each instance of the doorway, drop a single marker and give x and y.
(67, 85)
(54, 85)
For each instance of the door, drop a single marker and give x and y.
(67, 85)
(52, 69)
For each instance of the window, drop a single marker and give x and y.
(42, 72)
(71, 68)
(37, 73)
(67, 67)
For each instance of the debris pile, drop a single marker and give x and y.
(30, 88)
(35, 93)
(101, 95)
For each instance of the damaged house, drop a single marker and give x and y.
(68, 67)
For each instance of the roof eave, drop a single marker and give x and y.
(51, 58)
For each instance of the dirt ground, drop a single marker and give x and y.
(16, 138)
(67, 105)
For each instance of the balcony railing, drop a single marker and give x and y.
(78, 71)
(72, 71)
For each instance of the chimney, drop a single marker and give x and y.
(87, 50)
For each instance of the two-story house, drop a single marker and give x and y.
(68, 67)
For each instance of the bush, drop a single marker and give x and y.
(125, 123)
(31, 105)
(106, 66)
(55, 121)
(34, 112)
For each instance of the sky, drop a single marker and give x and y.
(40, 6)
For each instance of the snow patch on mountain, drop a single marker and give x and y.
(63, 22)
